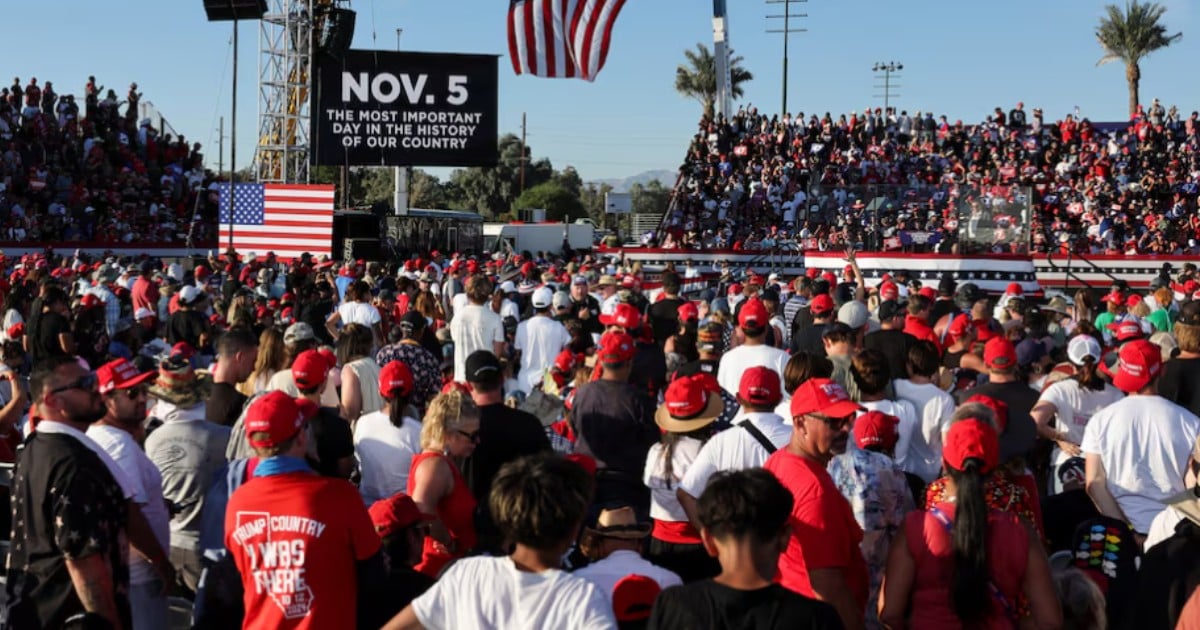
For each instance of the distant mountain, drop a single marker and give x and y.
(666, 177)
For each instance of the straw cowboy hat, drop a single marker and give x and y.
(179, 384)
(619, 522)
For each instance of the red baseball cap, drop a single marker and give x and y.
(735, 288)
(760, 386)
(1126, 330)
(395, 376)
(999, 408)
(812, 272)
(565, 361)
(183, 349)
(848, 271)
(121, 374)
(971, 439)
(999, 354)
(876, 429)
(1133, 300)
(1114, 297)
(821, 304)
(824, 396)
(688, 311)
(1014, 288)
(278, 415)
(629, 282)
(16, 331)
(830, 278)
(887, 291)
(309, 369)
(396, 513)
(1138, 364)
(624, 315)
(616, 347)
(928, 292)
(960, 325)
(753, 314)
(633, 598)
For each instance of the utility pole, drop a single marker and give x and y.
(402, 173)
(522, 153)
(787, 32)
(884, 71)
(221, 147)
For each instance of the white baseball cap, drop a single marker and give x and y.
(543, 297)
(1081, 347)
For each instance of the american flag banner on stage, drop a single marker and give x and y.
(288, 219)
(561, 38)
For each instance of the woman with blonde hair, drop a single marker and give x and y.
(360, 372)
(449, 432)
(271, 359)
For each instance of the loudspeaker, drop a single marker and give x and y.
(361, 226)
(337, 30)
(225, 10)
(368, 249)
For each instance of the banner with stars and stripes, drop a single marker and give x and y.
(991, 273)
(287, 219)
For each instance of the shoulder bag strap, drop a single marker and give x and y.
(758, 435)
(1009, 610)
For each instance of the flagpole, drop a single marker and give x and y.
(233, 135)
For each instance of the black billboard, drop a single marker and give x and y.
(379, 108)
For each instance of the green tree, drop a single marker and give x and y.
(491, 191)
(1130, 35)
(569, 178)
(426, 191)
(592, 198)
(559, 203)
(697, 78)
(651, 198)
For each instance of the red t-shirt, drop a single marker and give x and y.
(824, 532)
(145, 294)
(295, 538)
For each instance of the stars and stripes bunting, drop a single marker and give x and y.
(287, 219)
(561, 38)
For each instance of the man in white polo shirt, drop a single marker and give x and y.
(753, 352)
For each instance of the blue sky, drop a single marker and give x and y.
(961, 59)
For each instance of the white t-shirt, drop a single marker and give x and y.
(146, 483)
(735, 362)
(1162, 527)
(384, 454)
(621, 563)
(358, 313)
(486, 592)
(907, 414)
(1074, 406)
(283, 381)
(735, 449)
(474, 327)
(127, 488)
(1145, 443)
(934, 409)
(458, 302)
(664, 506)
(539, 339)
(508, 308)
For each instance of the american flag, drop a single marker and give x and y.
(561, 38)
(286, 219)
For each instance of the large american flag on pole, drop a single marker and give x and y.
(561, 38)
(287, 219)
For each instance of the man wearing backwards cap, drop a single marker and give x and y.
(1138, 449)
(757, 432)
(753, 321)
(823, 559)
(303, 544)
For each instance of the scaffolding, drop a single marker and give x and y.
(286, 41)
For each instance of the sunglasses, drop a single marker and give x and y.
(835, 424)
(87, 382)
(135, 393)
(473, 436)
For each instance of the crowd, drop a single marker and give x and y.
(888, 180)
(91, 171)
(512, 443)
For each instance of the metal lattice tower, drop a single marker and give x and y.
(284, 79)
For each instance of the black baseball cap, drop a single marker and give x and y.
(483, 367)
(891, 308)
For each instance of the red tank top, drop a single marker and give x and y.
(930, 546)
(457, 513)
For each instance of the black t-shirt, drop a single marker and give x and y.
(1061, 514)
(809, 339)
(314, 314)
(1180, 383)
(387, 599)
(649, 368)
(1169, 573)
(505, 434)
(615, 421)
(1020, 433)
(335, 441)
(664, 318)
(894, 345)
(66, 503)
(224, 405)
(186, 326)
(708, 604)
(45, 341)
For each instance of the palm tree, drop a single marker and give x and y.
(1129, 36)
(698, 77)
